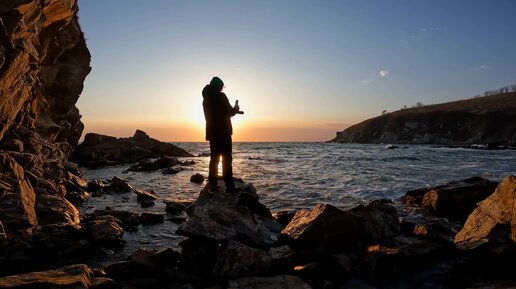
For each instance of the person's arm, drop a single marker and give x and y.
(230, 110)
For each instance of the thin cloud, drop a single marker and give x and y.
(384, 73)
(485, 67)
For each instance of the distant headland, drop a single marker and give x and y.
(489, 119)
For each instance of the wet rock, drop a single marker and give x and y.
(240, 217)
(77, 197)
(498, 209)
(73, 276)
(96, 185)
(235, 259)
(197, 178)
(176, 207)
(277, 282)
(128, 219)
(100, 150)
(414, 197)
(454, 200)
(171, 170)
(144, 195)
(119, 185)
(105, 230)
(188, 163)
(151, 218)
(324, 229)
(55, 210)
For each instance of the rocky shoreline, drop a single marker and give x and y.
(431, 238)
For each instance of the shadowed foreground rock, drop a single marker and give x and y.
(74, 276)
(498, 210)
(239, 217)
(100, 150)
(278, 282)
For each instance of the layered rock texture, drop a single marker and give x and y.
(483, 120)
(43, 63)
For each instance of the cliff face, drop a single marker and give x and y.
(43, 63)
(473, 121)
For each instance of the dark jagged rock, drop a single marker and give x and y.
(284, 217)
(379, 220)
(498, 209)
(96, 185)
(119, 185)
(235, 259)
(489, 119)
(105, 230)
(324, 229)
(43, 63)
(147, 203)
(197, 178)
(144, 263)
(176, 207)
(220, 217)
(171, 171)
(100, 150)
(454, 200)
(128, 219)
(73, 276)
(144, 195)
(52, 209)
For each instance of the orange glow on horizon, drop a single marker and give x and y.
(243, 130)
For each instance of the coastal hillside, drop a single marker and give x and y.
(480, 120)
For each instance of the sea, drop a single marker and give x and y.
(291, 176)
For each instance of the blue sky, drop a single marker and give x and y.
(302, 70)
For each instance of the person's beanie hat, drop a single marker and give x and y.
(216, 82)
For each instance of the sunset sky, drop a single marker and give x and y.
(301, 70)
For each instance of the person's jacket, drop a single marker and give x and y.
(218, 113)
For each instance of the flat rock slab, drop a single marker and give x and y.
(74, 276)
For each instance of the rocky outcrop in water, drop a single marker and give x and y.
(101, 150)
(484, 120)
(43, 63)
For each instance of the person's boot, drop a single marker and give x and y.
(230, 189)
(213, 187)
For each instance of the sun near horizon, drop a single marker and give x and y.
(301, 70)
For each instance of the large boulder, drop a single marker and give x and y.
(101, 150)
(240, 217)
(235, 259)
(324, 229)
(52, 209)
(498, 210)
(454, 200)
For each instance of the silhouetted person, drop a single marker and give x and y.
(218, 113)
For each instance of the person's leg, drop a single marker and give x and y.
(214, 164)
(227, 164)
